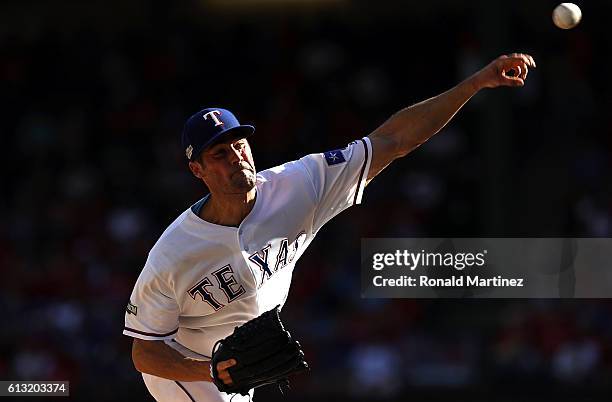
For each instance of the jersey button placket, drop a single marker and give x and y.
(245, 247)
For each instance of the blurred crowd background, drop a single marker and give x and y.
(94, 96)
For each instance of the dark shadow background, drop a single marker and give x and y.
(94, 96)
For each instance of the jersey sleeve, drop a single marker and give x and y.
(338, 177)
(152, 312)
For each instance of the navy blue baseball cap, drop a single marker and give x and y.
(209, 126)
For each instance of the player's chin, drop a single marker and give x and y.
(244, 180)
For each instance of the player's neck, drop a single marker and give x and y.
(228, 209)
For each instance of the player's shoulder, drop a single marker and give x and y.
(301, 165)
(176, 228)
(286, 170)
(290, 178)
(174, 242)
(311, 164)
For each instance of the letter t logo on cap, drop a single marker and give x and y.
(212, 115)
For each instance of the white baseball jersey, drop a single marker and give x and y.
(201, 280)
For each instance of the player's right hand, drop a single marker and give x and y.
(507, 70)
(222, 370)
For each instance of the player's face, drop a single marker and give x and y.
(228, 167)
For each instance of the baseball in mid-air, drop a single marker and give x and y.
(567, 15)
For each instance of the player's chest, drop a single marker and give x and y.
(238, 268)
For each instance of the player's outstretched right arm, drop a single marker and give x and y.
(158, 359)
(412, 126)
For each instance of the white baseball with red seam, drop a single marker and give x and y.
(567, 15)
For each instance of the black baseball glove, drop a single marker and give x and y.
(264, 351)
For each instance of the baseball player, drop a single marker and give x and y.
(230, 256)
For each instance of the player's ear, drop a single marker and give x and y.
(196, 168)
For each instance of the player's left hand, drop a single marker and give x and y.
(508, 70)
(224, 375)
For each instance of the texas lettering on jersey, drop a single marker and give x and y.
(229, 285)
